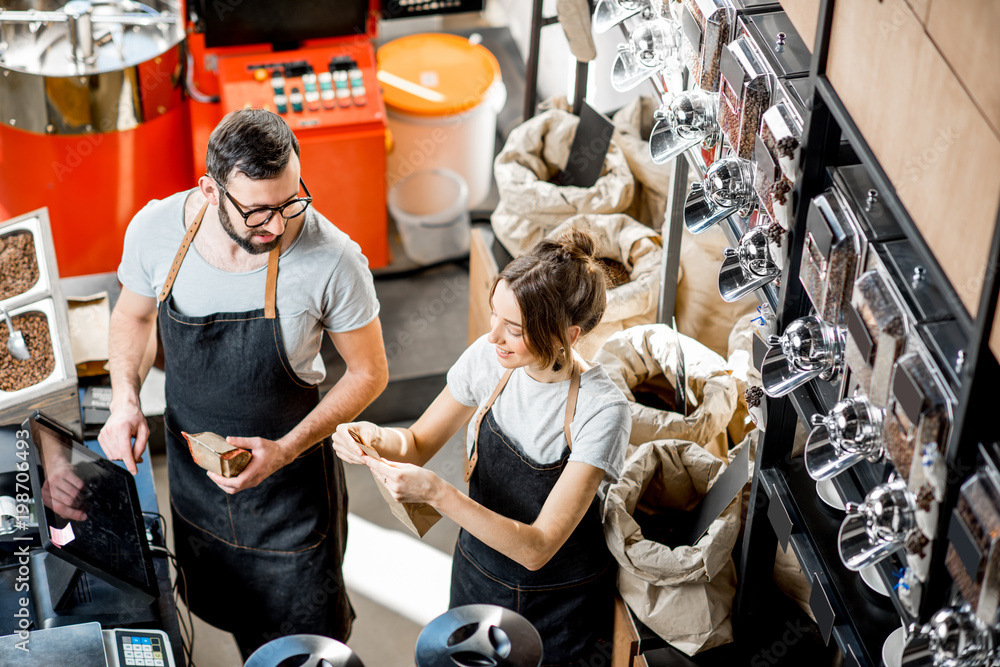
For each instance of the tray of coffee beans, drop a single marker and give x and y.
(36, 322)
(24, 274)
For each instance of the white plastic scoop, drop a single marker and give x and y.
(15, 341)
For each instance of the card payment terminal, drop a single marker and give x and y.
(87, 644)
(126, 648)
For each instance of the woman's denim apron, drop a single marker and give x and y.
(266, 561)
(570, 599)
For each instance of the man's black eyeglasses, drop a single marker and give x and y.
(260, 216)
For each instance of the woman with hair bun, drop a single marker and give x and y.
(549, 432)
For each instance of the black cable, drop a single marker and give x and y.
(186, 625)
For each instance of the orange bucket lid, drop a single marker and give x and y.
(433, 74)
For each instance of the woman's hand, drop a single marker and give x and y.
(408, 483)
(347, 448)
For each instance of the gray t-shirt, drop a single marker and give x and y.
(532, 413)
(323, 280)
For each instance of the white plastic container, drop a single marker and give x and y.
(431, 212)
(442, 95)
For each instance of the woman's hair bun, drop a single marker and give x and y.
(576, 244)
(558, 283)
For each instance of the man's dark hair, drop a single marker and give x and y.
(256, 142)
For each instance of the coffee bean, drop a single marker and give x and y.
(18, 265)
(17, 374)
(616, 272)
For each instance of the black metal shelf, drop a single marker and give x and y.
(832, 138)
(887, 194)
(862, 619)
(851, 485)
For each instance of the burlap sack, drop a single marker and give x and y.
(701, 313)
(530, 206)
(645, 357)
(633, 125)
(684, 594)
(636, 247)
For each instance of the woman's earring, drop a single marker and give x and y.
(558, 365)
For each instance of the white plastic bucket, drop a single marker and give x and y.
(442, 95)
(431, 212)
(462, 142)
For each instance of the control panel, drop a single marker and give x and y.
(331, 99)
(125, 648)
(314, 87)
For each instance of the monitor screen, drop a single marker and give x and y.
(267, 22)
(90, 514)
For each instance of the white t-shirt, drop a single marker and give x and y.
(323, 280)
(532, 413)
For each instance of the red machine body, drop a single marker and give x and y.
(343, 147)
(90, 174)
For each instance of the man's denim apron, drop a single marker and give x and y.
(266, 561)
(570, 599)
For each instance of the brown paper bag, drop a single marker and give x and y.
(684, 594)
(212, 452)
(418, 517)
(645, 358)
(89, 322)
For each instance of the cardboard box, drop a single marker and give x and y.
(482, 272)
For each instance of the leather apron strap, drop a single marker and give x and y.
(574, 391)
(181, 252)
(271, 286)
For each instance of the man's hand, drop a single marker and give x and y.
(268, 457)
(61, 492)
(126, 422)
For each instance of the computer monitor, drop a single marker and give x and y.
(89, 521)
(282, 23)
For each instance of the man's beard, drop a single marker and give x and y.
(244, 242)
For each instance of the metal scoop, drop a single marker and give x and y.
(15, 341)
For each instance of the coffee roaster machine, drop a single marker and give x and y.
(316, 69)
(107, 104)
(94, 120)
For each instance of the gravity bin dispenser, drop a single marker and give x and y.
(42, 374)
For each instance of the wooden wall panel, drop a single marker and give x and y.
(967, 33)
(926, 132)
(804, 15)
